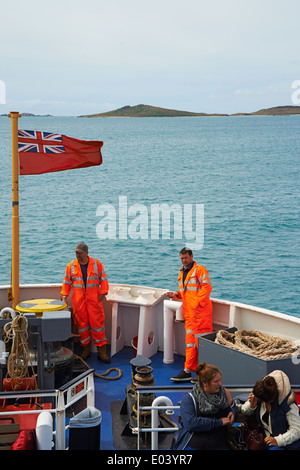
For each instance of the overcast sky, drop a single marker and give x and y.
(71, 57)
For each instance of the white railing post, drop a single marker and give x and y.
(155, 418)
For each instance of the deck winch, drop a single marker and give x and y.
(141, 376)
(48, 358)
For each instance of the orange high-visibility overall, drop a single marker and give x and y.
(88, 312)
(197, 309)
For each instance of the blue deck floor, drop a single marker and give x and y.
(107, 392)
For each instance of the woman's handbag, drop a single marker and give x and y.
(253, 435)
(247, 436)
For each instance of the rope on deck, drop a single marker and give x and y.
(257, 344)
(104, 374)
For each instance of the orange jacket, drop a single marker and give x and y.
(195, 292)
(96, 283)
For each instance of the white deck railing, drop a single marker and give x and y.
(82, 387)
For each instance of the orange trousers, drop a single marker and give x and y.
(89, 318)
(195, 326)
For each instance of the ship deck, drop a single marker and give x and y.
(110, 398)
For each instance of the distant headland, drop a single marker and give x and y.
(144, 110)
(31, 115)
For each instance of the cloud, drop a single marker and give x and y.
(70, 55)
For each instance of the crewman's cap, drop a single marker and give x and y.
(81, 248)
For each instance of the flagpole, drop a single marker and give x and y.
(14, 115)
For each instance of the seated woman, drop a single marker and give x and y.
(273, 404)
(205, 412)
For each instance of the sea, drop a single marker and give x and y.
(227, 187)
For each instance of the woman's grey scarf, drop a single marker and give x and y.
(210, 403)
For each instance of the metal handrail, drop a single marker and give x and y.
(156, 389)
(64, 397)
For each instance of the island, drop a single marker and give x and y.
(275, 111)
(144, 110)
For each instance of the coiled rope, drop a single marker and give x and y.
(257, 344)
(18, 359)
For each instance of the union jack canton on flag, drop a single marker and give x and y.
(45, 142)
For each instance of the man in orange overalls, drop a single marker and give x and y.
(194, 290)
(87, 277)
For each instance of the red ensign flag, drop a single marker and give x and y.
(44, 152)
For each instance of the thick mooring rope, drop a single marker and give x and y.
(18, 359)
(257, 344)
